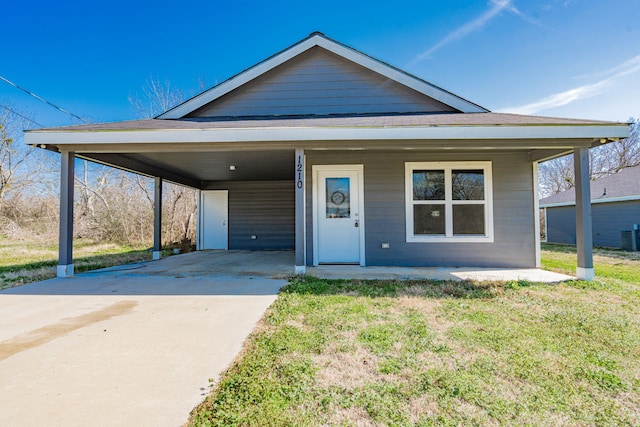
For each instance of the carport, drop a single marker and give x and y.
(257, 208)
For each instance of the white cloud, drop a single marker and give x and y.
(622, 68)
(630, 66)
(497, 6)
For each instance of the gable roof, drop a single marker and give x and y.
(320, 40)
(621, 186)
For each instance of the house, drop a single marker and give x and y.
(343, 158)
(615, 206)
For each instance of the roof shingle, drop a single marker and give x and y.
(625, 183)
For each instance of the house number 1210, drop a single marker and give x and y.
(299, 166)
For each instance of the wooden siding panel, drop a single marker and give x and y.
(384, 199)
(265, 209)
(319, 82)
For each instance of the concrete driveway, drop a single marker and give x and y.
(130, 346)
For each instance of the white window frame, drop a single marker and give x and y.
(449, 237)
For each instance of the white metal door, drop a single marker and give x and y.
(339, 220)
(214, 211)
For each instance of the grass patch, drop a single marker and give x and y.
(26, 262)
(331, 352)
(612, 266)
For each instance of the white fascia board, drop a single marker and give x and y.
(340, 50)
(609, 200)
(324, 134)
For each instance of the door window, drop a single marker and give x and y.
(338, 197)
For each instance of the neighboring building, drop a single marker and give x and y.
(346, 159)
(615, 206)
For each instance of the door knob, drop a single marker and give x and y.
(357, 224)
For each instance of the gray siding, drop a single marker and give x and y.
(262, 208)
(561, 225)
(608, 220)
(384, 188)
(319, 82)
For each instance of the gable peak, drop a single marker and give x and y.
(319, 39)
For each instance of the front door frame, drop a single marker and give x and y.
(315, 169)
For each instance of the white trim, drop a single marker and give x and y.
(270, 134)
(536, 216)
(315, 169)
(65, 270)
(336, 48)
(585, 273)
(449, 237)
(593, 201)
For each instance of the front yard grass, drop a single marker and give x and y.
(442, 353)
(25, 262)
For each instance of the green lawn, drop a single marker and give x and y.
(443, 353)
(24, 262)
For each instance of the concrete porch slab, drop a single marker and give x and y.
(435, 273)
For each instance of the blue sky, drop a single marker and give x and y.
(565, 58)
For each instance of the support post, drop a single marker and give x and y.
(536, 215)
(65, 239)
(584, 229)
(157, 218)
(301, 237)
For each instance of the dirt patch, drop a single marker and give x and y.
(48, 333)
(353, 416)
(422, 406)
(347, 370)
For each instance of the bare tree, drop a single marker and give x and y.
(621, 154)
(157, 97)
(12, 154)
(28, 184)
(557, 175)
(179, 202)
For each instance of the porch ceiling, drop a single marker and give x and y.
(194, 168)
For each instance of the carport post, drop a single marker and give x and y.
(157, 218)
(65, 239)
(301, 238)
(584, 231)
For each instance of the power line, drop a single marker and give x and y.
(42, 99)
(18, 114)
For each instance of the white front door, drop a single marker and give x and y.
(214, 221)
(338, 217)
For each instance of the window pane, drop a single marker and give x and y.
(338, 198)
(428, 185)
(468, 219)
(467, 184)
(428, 219)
